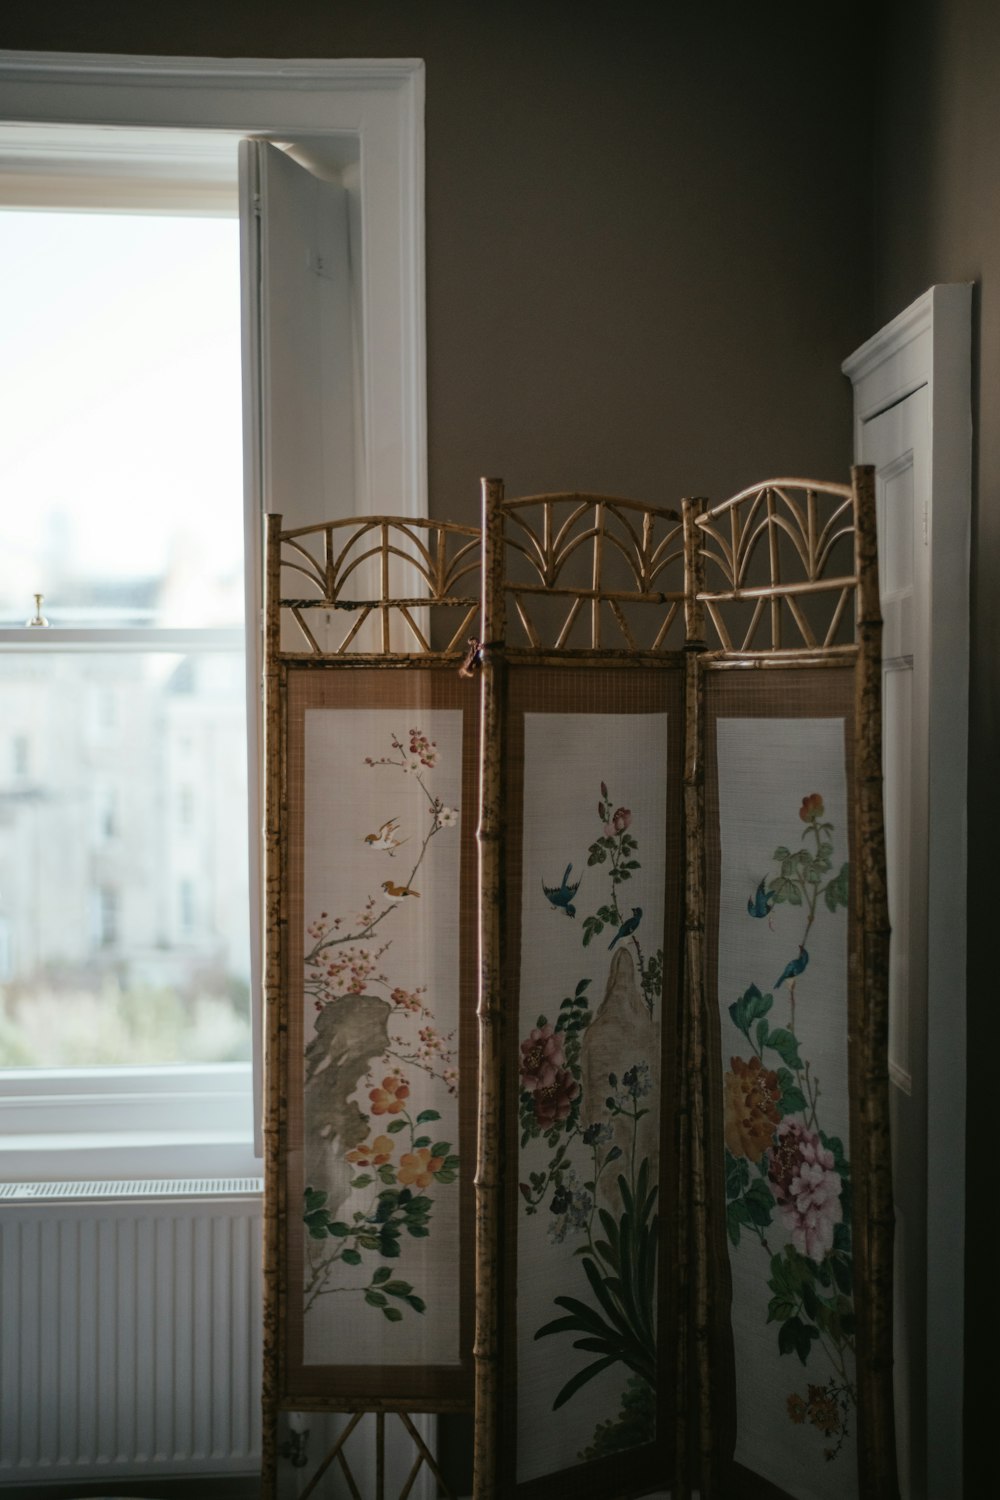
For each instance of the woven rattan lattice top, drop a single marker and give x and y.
(780, 551)
(772, 569)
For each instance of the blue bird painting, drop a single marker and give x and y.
(562, 895)
(628, 926)
(762, 901)
(793, 968)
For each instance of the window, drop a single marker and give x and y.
(106, 799)
(133, 142)
(121, 460)
(124, 901)
(185, 805)
(21, 755)
(105, 936)
(186, 905)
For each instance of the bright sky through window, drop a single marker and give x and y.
(120, 418)
(123, 804)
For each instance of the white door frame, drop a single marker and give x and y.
(929, 345)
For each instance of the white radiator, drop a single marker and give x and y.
(129, 1330)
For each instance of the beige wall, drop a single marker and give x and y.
(938, 219)
(644, 261)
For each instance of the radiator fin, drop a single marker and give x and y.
(153, 1187)
(131, 1332)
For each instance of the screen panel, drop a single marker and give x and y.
(380, 1079)
(782, 1109)
(593, 885)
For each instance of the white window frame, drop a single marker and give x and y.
(88, 1123)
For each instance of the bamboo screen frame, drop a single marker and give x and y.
(770, 554)
(629, 552)
(806, 520)
(410, 580)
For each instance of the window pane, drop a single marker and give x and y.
(123, 859)
(120, 419)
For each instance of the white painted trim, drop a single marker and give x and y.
(929, 344)
(92, 169)
(880, 370)
(379, 101)
(67, 68)
(126, 1122)
(253, 582)
(101, 638)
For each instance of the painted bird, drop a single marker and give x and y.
(386, 837)
(761, 901)
(397, 892)
(793, 968)
(628, 926)
(562, 895)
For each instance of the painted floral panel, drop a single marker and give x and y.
(591, 964)
(380, 991)
(783, 977)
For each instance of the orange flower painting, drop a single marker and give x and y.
(753, 1095)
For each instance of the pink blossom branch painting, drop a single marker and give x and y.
(381, 1055)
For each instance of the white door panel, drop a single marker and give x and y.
(896, 443)
(912, 384)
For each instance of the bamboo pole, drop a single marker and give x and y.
(800, 657)
(380, 1455)
(273, 822)
(595, 607)
(876, 1446)
(775, 565)
(780, 590)
(694, 945)
(489, 1153)
(350, 606)
(586, 498)
(753, 490)
(386, 639)
(597, 594)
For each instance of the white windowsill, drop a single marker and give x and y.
(78, 1158)
(114, 1123)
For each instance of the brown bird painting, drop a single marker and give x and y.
(397, 892)
(386, 837)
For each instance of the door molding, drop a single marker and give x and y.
(929, 345)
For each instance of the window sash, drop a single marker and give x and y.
(174, 1118)
(110, 638)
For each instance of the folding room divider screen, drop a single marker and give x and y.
(607, 879)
